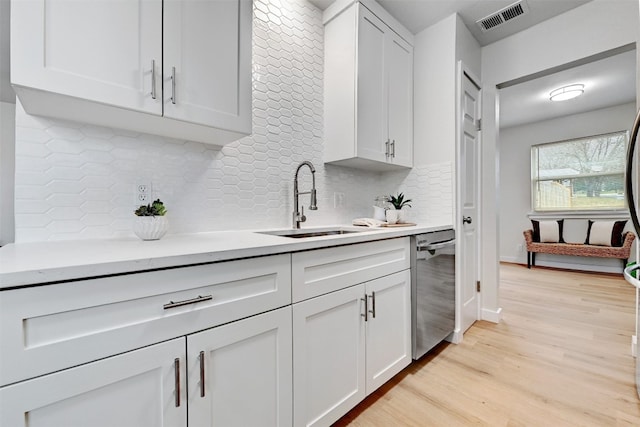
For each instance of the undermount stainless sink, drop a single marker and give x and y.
(302, 233)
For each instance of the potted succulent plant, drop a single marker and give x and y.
(398, 202)
(151, 223)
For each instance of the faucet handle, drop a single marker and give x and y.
(302, 217)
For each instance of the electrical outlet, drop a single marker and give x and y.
(142, 193)
(338, 200)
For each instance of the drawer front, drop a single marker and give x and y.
(326, 270)
(53, 327)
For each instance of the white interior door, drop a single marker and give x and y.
(469, 173)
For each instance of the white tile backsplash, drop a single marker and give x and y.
(76, 181)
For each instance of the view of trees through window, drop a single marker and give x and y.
(580, 174)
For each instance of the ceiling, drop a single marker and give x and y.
(608, 82)
(416, 15)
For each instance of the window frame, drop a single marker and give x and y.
(593, 212)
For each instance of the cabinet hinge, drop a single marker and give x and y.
(478, 286)
(479, 125)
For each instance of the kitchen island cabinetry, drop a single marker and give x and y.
(368, 89)
(348, 342)
(176, 68)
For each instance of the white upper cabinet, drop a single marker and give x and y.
(178, 68)
(98, 50)
(400, 100)
(204, 74)
(368, 89)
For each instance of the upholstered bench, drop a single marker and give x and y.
(577, 249)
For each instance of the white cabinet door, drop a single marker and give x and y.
(207, 62)
(134, 389)
(400, 100)
(97, 50)
(388, 331)
(328, 356)
(240, 373)
(372, 126)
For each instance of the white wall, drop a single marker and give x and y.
(75, 181)
(436, 53)
(515, 181)
(434, 93)
(468, 49)
(598, 26)
(7, 170)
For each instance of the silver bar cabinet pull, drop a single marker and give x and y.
(366, 308)
(393, 149)
(202, 374)
(153, 79)
(373, 304)
(173, 85)
(176, 366)
(199, 298)
(386, 148)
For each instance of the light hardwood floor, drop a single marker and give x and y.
(560, 357)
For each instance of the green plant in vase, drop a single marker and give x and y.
(151, 222)
(398, 202)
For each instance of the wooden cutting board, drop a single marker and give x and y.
(401, 224)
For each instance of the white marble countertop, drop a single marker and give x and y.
(26, 264)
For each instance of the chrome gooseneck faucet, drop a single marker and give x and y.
(299, 217)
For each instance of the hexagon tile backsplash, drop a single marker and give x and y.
(76, 181)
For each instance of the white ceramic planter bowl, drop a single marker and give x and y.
(150, 227)
(392, 216)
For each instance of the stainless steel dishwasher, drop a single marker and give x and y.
(432, 289)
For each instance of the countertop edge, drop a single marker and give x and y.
(18, 268)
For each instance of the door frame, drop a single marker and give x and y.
(461, 71)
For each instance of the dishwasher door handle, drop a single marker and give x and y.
(434, 246)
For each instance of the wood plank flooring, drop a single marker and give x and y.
(560, 357)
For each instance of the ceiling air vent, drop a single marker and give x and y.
(503, 15)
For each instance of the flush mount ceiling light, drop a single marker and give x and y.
(566, 92)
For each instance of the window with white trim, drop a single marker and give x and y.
(584, 174)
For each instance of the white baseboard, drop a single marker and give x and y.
(492, 315)
(581, 267)
(455, 337)
(596, 267)
(513, 259)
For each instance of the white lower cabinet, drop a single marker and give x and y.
(328, 356)
(388, 332)
(134, 389)
(240, 373)
(210, 345)
(346, 344)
